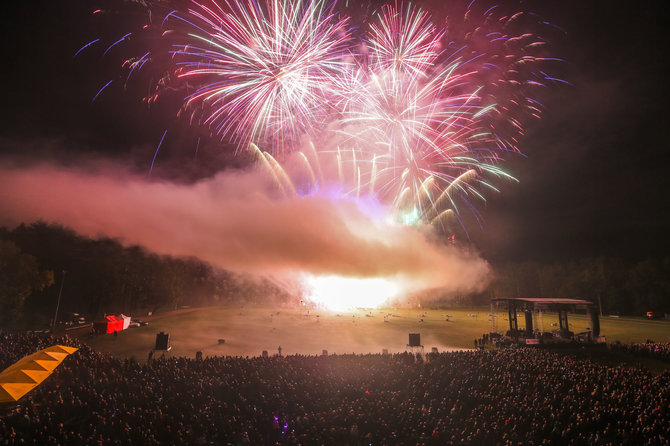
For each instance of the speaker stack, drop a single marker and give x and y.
(414, 340)
(163, 341)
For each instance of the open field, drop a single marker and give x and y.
(249, 331)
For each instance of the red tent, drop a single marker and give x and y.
(109, 325)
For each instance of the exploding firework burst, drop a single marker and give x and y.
(430, 121)
(403, 41)
(260, 73)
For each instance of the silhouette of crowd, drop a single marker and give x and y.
(497, 397)
(650, 349)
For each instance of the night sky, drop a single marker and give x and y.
(594, 181)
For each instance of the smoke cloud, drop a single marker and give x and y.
(230, 221)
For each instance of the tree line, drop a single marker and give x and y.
(100, 276)
(619, 286)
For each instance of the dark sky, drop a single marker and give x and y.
(594, 181)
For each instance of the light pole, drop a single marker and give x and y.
(600, 304)
(60, 292)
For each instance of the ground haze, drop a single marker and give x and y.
(249, 331)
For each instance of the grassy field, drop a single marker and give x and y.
(249, 331)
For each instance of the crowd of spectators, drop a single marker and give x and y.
(507, 397)
(649, 349)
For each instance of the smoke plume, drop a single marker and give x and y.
(230, 221)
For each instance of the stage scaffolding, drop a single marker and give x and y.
(532, 310)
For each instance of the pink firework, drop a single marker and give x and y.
(404, 41)
(433, 111)
(261, 73)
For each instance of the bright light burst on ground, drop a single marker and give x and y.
(340, 293)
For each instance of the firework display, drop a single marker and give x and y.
(414, 110)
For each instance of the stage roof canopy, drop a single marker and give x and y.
(543, 300)
(545, 303)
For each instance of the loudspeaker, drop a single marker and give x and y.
(162, 341)
(265, 353)
(198, 356)
(415, 340)
(324, 352)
